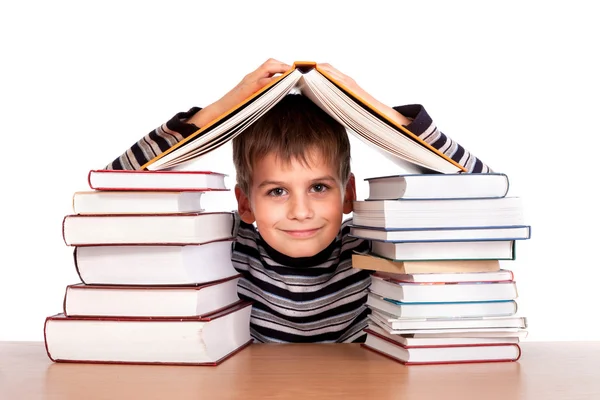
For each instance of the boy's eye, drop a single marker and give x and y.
(277, 192)
(319, 188)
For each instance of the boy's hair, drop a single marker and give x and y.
(293, 128)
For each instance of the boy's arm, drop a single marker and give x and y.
(156, 142)
(415, 119)
(185, 123)
(423, 126)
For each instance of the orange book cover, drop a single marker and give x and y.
(305, 66)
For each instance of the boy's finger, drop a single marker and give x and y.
(276, 68)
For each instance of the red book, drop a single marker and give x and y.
(206, 340)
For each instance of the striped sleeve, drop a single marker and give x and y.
(422, 125)
(156, 142)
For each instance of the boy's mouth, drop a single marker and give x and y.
(302, 233)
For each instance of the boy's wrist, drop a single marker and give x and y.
(206, 115)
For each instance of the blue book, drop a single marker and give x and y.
(452, 309)
(462, 234)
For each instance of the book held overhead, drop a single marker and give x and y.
(364, 120)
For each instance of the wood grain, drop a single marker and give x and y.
(561, 370)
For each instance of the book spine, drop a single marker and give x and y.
(89, 179)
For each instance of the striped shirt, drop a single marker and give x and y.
(302, 300)
(313, 299)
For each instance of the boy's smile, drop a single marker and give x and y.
(298, 207)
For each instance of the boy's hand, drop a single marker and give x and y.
(251, 84)
(357, 90)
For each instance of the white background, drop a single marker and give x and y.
(516, 83)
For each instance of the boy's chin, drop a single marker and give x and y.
(301, 250)
(302, 254)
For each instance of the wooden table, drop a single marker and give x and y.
(546, 371)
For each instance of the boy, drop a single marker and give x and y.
(294, 182)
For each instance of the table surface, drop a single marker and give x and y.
(546, 371)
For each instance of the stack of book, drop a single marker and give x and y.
(439, 293)
(157, 282)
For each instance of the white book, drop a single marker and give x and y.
(446, 213)
(428, 251)
(415, 324)
(155, 229)
(136, 202)
(375, 319)
(150, 301)
(419, 340)
(439, 293)
(130, 180)
(154, 265)
(438, 186)
(206, 340)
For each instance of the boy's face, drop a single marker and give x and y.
(298, 209)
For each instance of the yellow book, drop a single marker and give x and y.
(374, 263)
(362, 119)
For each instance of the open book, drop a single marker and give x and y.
(360, 118)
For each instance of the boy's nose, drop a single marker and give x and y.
(300, 208)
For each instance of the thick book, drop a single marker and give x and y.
(374, 263)
(361, 118)
(136, 202)
(207, 340)
(409, 292)
(426, 251)
(413, 325)
(154, 229)
(440, 213)
(399, 309)
(423, 355)
(154, 265)
(438, 186)
(201, 181)
(82, 300)
(521, 232)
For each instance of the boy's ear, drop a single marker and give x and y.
(350, 195)
(244, 208)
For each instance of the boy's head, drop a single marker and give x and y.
(293, 176)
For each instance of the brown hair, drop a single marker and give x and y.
(293, 128)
